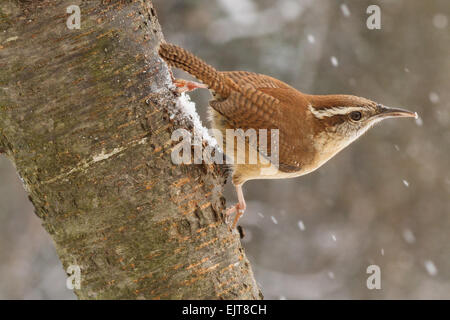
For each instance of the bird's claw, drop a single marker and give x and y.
(239, 212)
(187, 86)
(228, 213)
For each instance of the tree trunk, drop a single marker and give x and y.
(86, 115)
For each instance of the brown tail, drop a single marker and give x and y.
(180, 58)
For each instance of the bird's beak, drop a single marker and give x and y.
(386, 112)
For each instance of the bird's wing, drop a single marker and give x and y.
(266, 103)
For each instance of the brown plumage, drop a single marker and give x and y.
(312, 128)
(247, 100)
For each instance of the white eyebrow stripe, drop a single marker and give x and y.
(333, 111)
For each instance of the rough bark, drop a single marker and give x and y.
(85, 115)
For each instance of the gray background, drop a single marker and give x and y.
(384, 200)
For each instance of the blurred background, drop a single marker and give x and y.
(384, 201)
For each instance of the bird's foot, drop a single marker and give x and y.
(187, 86)
(239, 209)
(229, 211)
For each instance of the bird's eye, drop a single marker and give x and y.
(355, 115)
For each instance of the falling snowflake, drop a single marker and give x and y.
(311, 38)
(274, 220)
(408, 235)
(382, 251)
(434, 97)
(345, 10)
(431, 267)
(333, 237)
(440, 21)
(406, 183)
(419, 121)
(260, 214)
(301, 225)
(334, 61)
(331, 275)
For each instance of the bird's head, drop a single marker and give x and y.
(340, 119)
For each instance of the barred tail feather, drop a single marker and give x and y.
(180, 58)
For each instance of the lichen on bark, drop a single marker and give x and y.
(84, 116)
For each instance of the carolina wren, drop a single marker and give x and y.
(312, 128)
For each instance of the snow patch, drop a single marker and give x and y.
(187, 107)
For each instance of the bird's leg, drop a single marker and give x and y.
(187, 86)
(239, 208)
